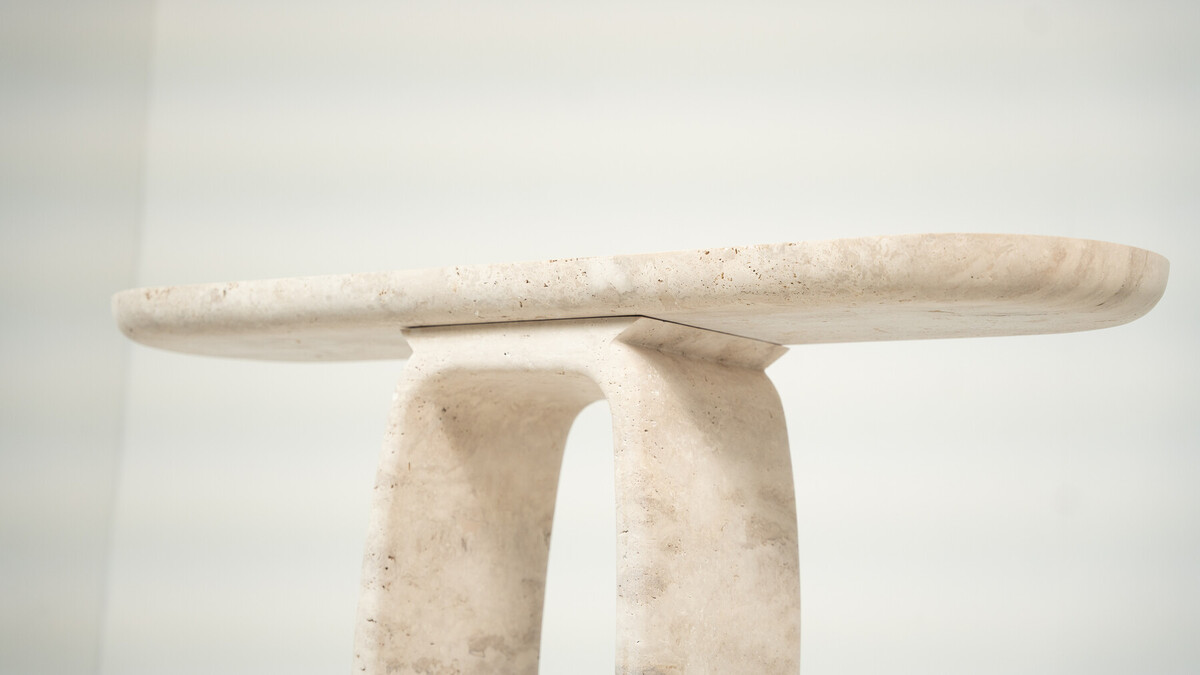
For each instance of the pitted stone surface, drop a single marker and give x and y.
(877, 288)
(708, 572)
(507, 355)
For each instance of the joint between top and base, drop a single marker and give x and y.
(587, 335)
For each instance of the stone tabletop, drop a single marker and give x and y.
(847, 290)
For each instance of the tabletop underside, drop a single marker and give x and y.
(847, 290)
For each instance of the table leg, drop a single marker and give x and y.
(455, 563)
(707, 568)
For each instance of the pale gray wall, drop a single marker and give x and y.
(72, 125)
(985, 506)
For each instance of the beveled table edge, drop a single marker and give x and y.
(844, 290)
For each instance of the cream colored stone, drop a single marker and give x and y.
(879, 288)
(507, 355)
(454, 571)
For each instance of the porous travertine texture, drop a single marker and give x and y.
(708, 577)
(877, 288)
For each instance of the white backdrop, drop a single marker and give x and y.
(985, 506)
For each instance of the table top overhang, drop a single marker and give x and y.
(846, 290)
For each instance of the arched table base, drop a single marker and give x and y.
(455, 564)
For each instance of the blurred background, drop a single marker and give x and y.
(1002, 505)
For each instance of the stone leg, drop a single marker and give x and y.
(455, 563)
(708, 574)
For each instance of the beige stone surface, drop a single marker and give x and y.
(503, 357)
(455, 564)
(877, 288)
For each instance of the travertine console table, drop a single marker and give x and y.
(503, 357)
